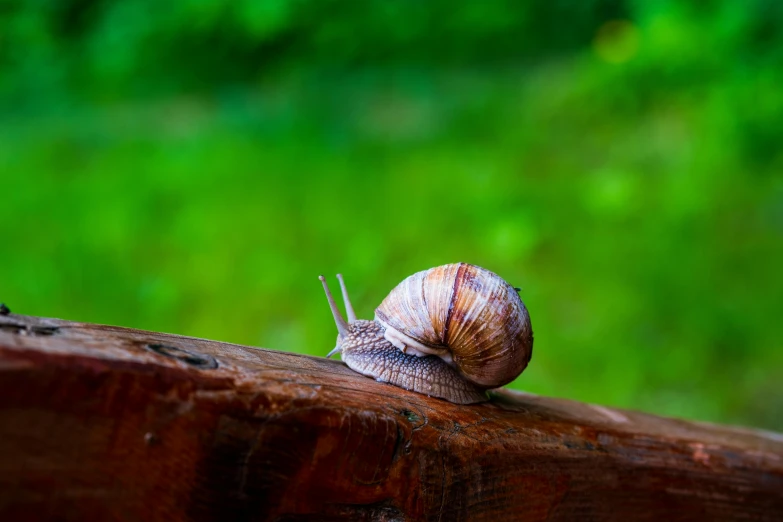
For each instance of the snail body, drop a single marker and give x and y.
(453, 332)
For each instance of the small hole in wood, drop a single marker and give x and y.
(412, 417)
(201, 361)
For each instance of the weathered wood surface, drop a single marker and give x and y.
(104, 423)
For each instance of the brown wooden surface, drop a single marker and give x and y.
(104, 423)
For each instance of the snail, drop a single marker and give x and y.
(453, 332)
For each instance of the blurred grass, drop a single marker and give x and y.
(628, 179)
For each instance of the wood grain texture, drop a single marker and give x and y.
(105, 423)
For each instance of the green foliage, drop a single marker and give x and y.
(191, 167)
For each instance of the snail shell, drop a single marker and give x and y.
(452, 331)
(466, 314)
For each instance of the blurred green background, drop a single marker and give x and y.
(192, 166)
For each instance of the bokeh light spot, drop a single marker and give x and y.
(616, 41)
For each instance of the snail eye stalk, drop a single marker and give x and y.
(342, 326)
(348, 306)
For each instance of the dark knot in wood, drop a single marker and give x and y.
(201, 361)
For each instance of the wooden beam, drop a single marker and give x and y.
(105, 423)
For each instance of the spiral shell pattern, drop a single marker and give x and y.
(468, 310)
